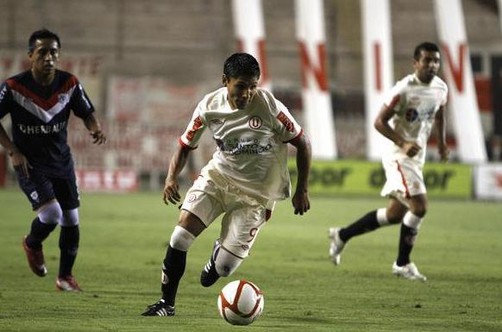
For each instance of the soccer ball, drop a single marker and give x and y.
(240, 302)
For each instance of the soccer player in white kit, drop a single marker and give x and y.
(410, 110)
(247, 174)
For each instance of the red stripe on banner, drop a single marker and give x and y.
(457, 72)
(307, 66)
(377, 51)
(263, 61)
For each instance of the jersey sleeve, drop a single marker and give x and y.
(287, 127)
(80, 103)
(4, 99)
(392, 98)
(195, 128)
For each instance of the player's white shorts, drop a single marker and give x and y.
(404, 178)
(212, 195)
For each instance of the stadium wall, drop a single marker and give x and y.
(145, 65)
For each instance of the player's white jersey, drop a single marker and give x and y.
(415, 104)
(252, 149)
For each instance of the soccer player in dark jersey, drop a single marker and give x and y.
(39, 102)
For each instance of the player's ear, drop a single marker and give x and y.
(224, 80)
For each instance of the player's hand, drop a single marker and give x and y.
(171, 193)
(301, 202)
(20, 163)
(98, 137)
(411, 148)
(444, 153)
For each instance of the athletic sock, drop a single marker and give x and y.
(38, 233)
(69, 239)
(172, 271)
(406, 241)
(367, 223)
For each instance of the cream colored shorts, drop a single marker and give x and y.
(211, 196)
(404, 179)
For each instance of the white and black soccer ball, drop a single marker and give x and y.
(240, 302)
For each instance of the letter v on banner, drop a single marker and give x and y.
(315, 91)
(463, 106)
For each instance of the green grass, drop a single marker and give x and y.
(123, 243)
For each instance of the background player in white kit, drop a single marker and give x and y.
(406, 119)
(246, 176)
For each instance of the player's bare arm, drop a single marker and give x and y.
(94, 127)
(176, 165)
(382, 125)
(440, 124)
(300, 200)
(18, 159)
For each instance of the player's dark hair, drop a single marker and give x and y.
(241, 64)
(42, 34)
(425, 46)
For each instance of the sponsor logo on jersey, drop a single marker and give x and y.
(42, 129)
(243, 146)
(283, 118)
(197, 123)
(411, 114)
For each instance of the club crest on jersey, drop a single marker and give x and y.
(255, 122)
(192, 198)
(63, 98)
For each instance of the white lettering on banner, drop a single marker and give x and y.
(463, 106)
(107, 180)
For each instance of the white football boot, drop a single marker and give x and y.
(408, 271)
(336, 246)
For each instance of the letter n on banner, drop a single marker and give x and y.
(315, 92)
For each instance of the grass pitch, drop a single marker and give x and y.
(123, 240)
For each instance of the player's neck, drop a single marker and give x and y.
(42, 78)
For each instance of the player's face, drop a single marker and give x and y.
(44, 57)
(241, 90)
(427, 66)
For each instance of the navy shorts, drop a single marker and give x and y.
(40, 189)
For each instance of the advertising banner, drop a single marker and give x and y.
(488, 181)
(361, 178)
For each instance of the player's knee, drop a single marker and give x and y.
(181, 239)
(420, 211)
(226, 263)
(70, 218)
(51, 213)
